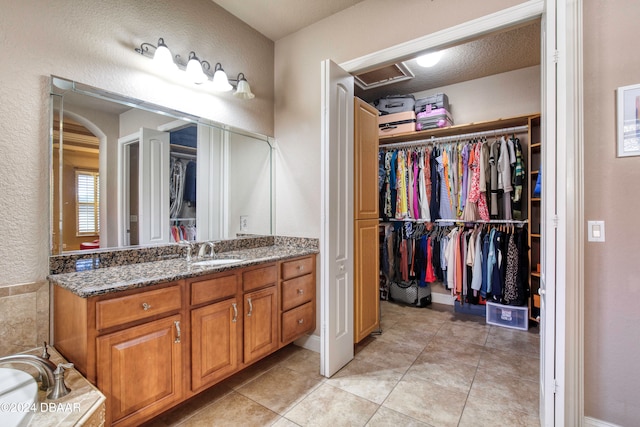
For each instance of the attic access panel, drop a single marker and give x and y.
(386, 75)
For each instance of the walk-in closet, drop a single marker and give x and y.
(448, 204)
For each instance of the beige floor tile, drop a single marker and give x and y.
(283, 422)
(510, 393)
(331, 406)
(304, 362)
(485, 413)
(427, 402)
(186, 410)
(445, 350)
(390, 354)
(515, 340)
(385, 417)
(233, 410)
(280, 388)
(465, 331)
(509, 362)
(367, 380)
(442, 372)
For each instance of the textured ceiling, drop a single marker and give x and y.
(492, 54)
(278, 18)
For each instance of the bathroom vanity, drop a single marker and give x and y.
(151, 335)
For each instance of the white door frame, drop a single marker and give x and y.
(562, 216)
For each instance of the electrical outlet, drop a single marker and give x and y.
(244, 222)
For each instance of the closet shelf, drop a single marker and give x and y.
(535, 274)
(536, 199)
(457, 129)
(535, 172)
(536, 145)
(535, 235)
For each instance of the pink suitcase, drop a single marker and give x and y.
(433, 119)
(393, 124)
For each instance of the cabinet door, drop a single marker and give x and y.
(140, 370)
(260, 323)
(214, 342)
(365, 146)
(366, 292)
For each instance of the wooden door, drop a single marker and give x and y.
(214, 342)
(140, 370)
(260, 323)
(366, 281)
(365, 147)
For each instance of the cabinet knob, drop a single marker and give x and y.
(301, 267)
(145, 306)
(300, 291)
(300, 321)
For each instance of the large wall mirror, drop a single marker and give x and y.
(127, 173)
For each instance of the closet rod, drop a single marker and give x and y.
(491, 221)
(183, 156)
(433, 139)
(458, 220)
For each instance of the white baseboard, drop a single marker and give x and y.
(592, 422)
(310, 342)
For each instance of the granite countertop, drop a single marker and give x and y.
(113, 279)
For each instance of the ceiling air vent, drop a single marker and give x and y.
(393, 73)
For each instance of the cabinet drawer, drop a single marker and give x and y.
(213, 289)
(297, 267)
(121, 310)
(297, 291)
(259, 277)
(296, 322)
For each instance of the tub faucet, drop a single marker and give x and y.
(52, 376)
(211, 250)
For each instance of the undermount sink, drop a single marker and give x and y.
(18, 395)
(216, 261)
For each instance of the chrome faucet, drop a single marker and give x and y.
(203, 250)
(52, 376)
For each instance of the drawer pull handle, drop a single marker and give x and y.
(235, 312)
(300, 321)
(300, 291)
(178, 334)
(145, 306)
(250, 307)
(301, 267)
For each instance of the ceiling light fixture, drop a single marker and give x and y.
(430, 59)
(198, 71)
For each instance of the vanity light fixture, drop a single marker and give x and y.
(243, 90)
(195, 69)
(220, 80)
(198, 71)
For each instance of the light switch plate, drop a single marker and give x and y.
(595, 230)
(244, 222)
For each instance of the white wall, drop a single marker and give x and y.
(92, 42)
(502, 95)
(365, 28)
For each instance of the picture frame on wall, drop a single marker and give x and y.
(628, 117)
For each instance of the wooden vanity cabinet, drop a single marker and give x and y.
(140, 352)
(151, 348)
(260, 312)
(216, 326)
(297, 298)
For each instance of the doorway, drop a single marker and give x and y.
(560, 112)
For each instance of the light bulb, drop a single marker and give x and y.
(194, 69)
(430, 59)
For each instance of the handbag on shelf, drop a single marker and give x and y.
(410, 293)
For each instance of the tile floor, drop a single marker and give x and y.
(430, 367)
